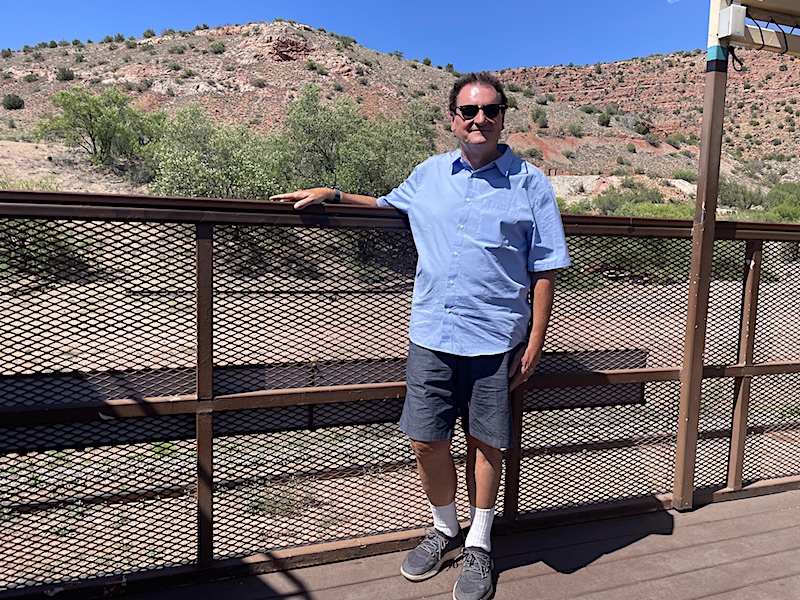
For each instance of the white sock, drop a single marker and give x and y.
(481, 529)
(445, 519)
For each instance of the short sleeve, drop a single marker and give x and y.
(548, 244)
(402, 196)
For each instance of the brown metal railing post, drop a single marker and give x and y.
(703, 232)
(746, 350)
(513, 457)
(205, 394)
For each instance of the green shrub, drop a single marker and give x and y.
(675, 140)
(539, 117)
(689, 176)
(532, 154)
(64, 74)
(604, 120)
(13, 102)
(345, 40)
(217, 48)
(316, 67)
(631, 147)
(652, 139)
(575, 130)
(6, 53)
(196, 157)
(104, 125)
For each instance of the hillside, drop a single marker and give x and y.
(250, 74)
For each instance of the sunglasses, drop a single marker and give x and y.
(490, 111)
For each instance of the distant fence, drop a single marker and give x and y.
(195, 388)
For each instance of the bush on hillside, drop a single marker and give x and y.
(13, 102)
(64, 74)
(105, 125)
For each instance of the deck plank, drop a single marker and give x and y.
(747, 549)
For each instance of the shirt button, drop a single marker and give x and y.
(448, 311)
(455, 253)
(461, 227)
(452, 282)
(469, 199)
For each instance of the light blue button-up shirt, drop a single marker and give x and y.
(479, 235)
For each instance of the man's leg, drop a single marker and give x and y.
(489, 418)
(437, 471)
(484, 469)
(430, 413)
(445, 541)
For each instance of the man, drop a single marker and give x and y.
(488, 231)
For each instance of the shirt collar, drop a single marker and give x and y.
(502, 163)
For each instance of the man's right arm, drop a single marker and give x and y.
(303, 198)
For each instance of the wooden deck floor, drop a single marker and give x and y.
(746, 549)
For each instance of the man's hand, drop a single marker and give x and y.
(303, 198)
(523, 364)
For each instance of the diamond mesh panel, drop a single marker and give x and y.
(79, 513)
(773, 449)
(725, 303)
(310, 486)
(714, 440)
(323, 307)
(94, 311)
(623, 299)
(778, 314)
(601, 454)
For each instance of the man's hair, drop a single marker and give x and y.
(485, 79)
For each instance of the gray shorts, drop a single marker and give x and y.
(441, 386)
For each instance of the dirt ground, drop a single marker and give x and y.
(58, 167)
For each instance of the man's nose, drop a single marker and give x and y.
(480, 117)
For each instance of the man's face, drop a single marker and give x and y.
(479, 130)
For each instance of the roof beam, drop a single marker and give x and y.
(766, 39)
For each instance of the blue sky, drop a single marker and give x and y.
(472, 35)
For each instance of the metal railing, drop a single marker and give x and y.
(195, 388)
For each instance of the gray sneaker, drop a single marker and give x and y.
(475, 581)
(425, 560)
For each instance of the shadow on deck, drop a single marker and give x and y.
(742, 549)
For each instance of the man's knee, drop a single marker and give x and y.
(430, 450)
(483, 450)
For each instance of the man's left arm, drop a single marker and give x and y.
(525, 360)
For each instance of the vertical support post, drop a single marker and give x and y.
(205, 395)
(513, 458)
(703, 232)
(746, 349)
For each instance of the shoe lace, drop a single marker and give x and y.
(477, 561)
(433, 543)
